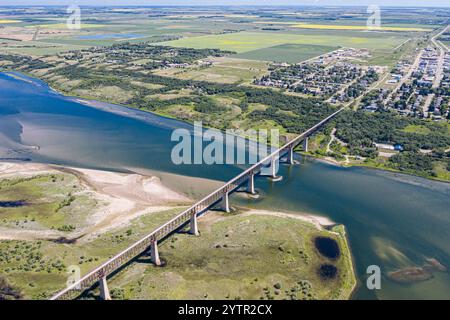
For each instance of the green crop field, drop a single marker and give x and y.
(249, 41)
(290, 53)
(37, 48)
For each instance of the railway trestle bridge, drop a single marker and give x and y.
(218, 198)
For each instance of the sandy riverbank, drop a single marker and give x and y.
(318, 221)
(121, 197)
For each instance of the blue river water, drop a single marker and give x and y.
(392, 220)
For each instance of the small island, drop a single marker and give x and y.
(246, 254)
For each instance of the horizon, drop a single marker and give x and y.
(232, 3)
(218, 5)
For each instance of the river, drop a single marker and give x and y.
(393, 220)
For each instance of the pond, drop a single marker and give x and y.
(327, 247)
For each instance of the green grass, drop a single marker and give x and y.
(38, 48)
(440, 169)
(224, 70)
(249, 41)
(74, 41)
(64, 26)
(318, 143)
(48, 201)
(420, 129)
(241, 257)
(39, 278)
(290, 53)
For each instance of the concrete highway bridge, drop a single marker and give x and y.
(218, 198)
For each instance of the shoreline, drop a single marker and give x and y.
(334, 163)
(128, 196)
(327, 160)
(320, 222)
(110, 105)
(120, 198)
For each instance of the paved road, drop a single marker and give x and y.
(440, 67)
(427, 104)
(405, 78)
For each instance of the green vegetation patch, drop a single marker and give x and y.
(249, 41)
(7, 291)
(38, 269)
(43, 202)
(290, 53)
(241, 257)
(421, 129)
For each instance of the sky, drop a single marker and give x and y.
(409, 3)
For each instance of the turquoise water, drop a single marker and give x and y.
(392, 220)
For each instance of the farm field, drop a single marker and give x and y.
(63, 26)
(353, 24)
(360, 28)
(290, 53)
(223, 70)
(248, 41)
(5, 21)
(36, 48)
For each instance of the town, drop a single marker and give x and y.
(331, 76)
(422, 86)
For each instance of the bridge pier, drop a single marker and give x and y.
(273, 170)
(154, 254)
(193, 226)
(104, 291)
(225, 203)
(290, 155)
(251, 184)
(305, 144)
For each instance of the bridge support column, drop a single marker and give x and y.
(290, 155)
(305, 144)
(225, 203)
(104, 291)
(273, 170)
(251, 184)
(193, 226)
(154, 254)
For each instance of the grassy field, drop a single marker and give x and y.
(290, 53)
(417, 129)
(249, 41)
(40, 268)
(240, 257)
(74, 41)
(440, 169)
(223, 70)
(224, 253)
(64, 26)
(359, 28)
(37, 48)
(56, 205)
(390, 57)
(50, 201)
(7, 21)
